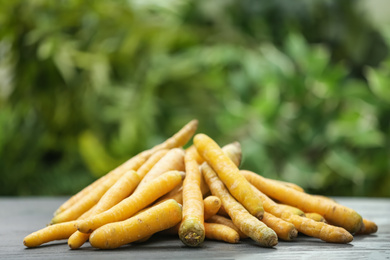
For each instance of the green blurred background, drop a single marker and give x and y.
(304, 86)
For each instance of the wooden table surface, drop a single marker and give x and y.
(21, 216)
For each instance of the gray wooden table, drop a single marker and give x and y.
(21, 216)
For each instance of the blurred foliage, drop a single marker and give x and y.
(84, 85)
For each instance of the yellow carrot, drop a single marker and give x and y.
(155, 219)
(177, 140)
(305, 225)
(119, 191)
(233, 151)
(368, 227)
(86, 202)
(180, 138)
(191, 231)
(315, 216)
(293, 210)
(288, 184)
(211, 206)
(229, 174)
(221, 232)
(334, 213)
(173, 160)
(247, 223)
(94, 190)
(50, 233)
(134, 203)
(148, 165)
(285, 230)
(227, 222)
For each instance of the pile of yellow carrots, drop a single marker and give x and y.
(198, 193)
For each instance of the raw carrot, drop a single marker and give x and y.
(197, 157)
(180, 138)
(247, 223)
(177, 140)
(316, 217)
(132, 164)
(227, 222)
(50, 233)
(293, 210)
(369, 227)
(155, 219)
(233, 151)
(148, 165)
(86, 202)
(211, 206)
(119, 191)
(334, 213)
(288, 184)
(221, 232)
(229, 174)
(191, 231)
(173, 160)
(285, 230)
(134, 203)
(305, 225)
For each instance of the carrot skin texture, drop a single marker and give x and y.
(211, 206)
(50, 233)
(152, 160)
(247, 223)
(119, 191)
(305, 225)
(221, 232)
(285, 230)
(233, 151)
(315, 216)
(191, 231)
(131, 205)
(368, 227)
(172, 160)
(228, 172)
(227, 222)
(155, 219)
(334, 213)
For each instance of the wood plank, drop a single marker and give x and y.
(21, 216)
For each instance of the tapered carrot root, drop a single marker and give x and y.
(369, 227)
(285, 230)
(191, 231)
(211, 206)
(137, 201)
(177, 140)
(221, 232)
(305, 225)
(173, 160)
(334, 213)
(246, 222)
(120, 190)
(155, 219)
(316, 217)
(180, 138)
(229, 174)
(50, 233)
(227, 222)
